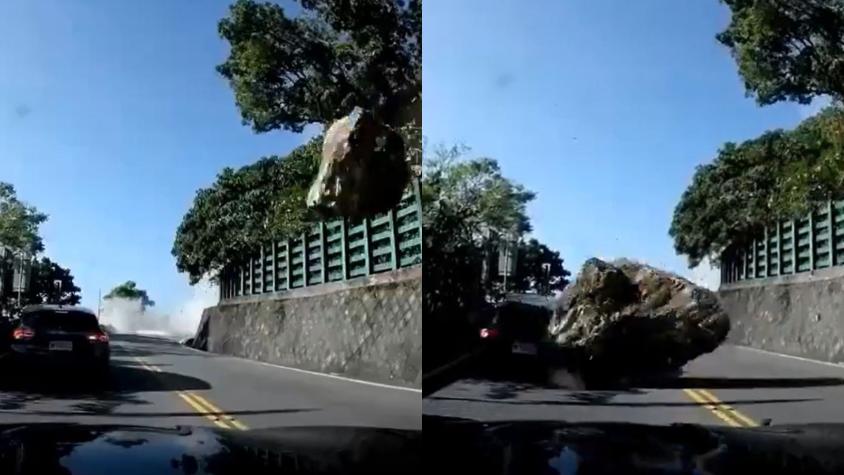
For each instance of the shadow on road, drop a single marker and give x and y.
(22, 390)
(605, 402)
(511, 379)
(244, 412)
(512, 390)
(527, 385)
(74, 393)
(737, 383)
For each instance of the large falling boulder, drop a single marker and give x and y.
(625, 317)
(363, 169)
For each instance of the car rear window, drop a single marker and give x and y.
(70, 321)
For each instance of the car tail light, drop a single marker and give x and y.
(99, 336)
(23, 333)
(489, 333)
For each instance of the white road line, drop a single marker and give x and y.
(799, 358)
(313, 373)
(452, 364)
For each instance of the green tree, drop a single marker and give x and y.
(788, 49)
(813, 164)
(463, 203)
(19, 222)
(779, 175)
(288, 71)
(129, 290)
(477, 190)
(246, 208)
(451, 280)
(43, 288)
(530, 274)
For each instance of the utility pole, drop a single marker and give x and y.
(57, 287)
(506, 265)
(99, 302)
(20, 278)
(510, 242)
(546, 276)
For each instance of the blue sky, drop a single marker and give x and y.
(111, 117)
(603, 107)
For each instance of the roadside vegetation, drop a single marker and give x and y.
(288, 71)
(789, 50)
(129, 291)
(20, 238)
(245, 208)
(468, 205)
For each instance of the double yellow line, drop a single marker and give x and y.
(722, 411)
(212, 412)
(201, 405)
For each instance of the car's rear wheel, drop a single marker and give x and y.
(102, 372)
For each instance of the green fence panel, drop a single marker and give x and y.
(381, 236)
(382, 266)
(378, 221)
(358, 228)
(786, 247)
(333, 250)
(830, 226)
(815, 241)
(837, 225)
(773, 246)
(360, 257)
(748, 263)
(247, 288)
(821, 239)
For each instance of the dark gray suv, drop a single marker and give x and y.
(60, 336)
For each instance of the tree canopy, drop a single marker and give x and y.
(464, 201)
(785, 50)
(19, 231)
(467, 204)
(779, 175)
(19, 222)
(43, 289)
(246, 208)
(477, 190)
(788, 49)
(129, 290)
(288, 71)
(530, 275)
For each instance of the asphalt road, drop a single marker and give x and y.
(734, 386)
(157, 382)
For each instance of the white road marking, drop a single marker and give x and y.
(799, 358)
(452, 364)
(313, 373)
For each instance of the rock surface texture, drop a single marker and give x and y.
(627, 317)
(363, 169)
(798, 314)
(371, 332)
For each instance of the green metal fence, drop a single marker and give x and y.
(333, 251)
(814, 242)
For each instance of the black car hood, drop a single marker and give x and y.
(71, 449)
(523, 447)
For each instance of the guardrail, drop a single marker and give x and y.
(333, 251)
(815, 241)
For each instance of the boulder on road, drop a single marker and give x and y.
(363, 169)
(626, 318)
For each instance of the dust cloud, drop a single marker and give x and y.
(706, 275)
(127, 316)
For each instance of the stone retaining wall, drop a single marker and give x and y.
(368, 328)
(801, 315)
